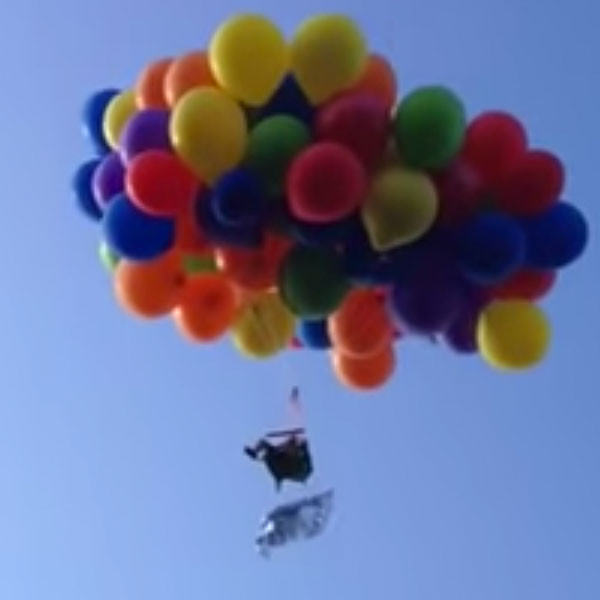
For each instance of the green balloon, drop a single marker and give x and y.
(108, 257)
(193, 265)
(312, 282)
(272, 145)
(429, 127)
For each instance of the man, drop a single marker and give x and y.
(289, 459)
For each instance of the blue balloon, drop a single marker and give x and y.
(314, 334)
(289, 99)
(93, 118)
(134, 234)
(238, 199)
(83, 188)
(556, 238)
(491, 247)
(225, 235)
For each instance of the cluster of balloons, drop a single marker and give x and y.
(280, 191)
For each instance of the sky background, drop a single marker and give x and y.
(121, 469)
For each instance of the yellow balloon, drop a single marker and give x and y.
(119, 110)
(264, 327)
(249, 58)
(208, 130)
(513, 334)
(401, 206)
(328, 54)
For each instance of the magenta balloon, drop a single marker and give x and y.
(109, 179)
(147, 130)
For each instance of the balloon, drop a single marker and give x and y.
(314, 334)
(495, 141)
(238, 199)
(526, 284)
(427, 304)
(312, 282)
(555, 238)
(207, 308)
(194, 264)
(150, 86)
(379, 80)
(82, 186)
(254, 269)
(249, 58)
(364, 373)
(328, 55)
(186, 73)
(108, 257)
(360, 122)
(263, 327)
(513, 334)
(328, 234)
(208, 131)
(533, 185)
(491, 247)
(147, 130)
(93, 118)
(459, 191)
(135, 235)
(149, 289)
(326, 182)
(189, 236)
(272, 145)
(118, 112)
(461, 333)
(429, 127)
(109, 179)
(401, 207)
(222, 234)
(289, 99)
(361, 326)
(158, 184)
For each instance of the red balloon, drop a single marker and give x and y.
(359, 121)
(254, 268)
(533, 185)
(159, 184)
(325, 183)
(460, 193)
(527, 284)
(494, 143)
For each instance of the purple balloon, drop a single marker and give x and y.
(147, 130)
(461, 334)
(428, 304)
(109, 179)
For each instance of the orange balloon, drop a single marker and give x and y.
(149, 88)
(149, 289)
(207, 308)
(379, 79)
(361, 326)
(254, 269)
(365, 373)
(185, 73)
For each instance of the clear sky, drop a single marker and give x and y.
(121, 469)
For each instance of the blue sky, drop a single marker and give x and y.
(120, 465)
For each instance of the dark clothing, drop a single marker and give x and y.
(290, 460)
